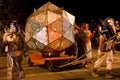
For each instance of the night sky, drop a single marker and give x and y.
(83, 10)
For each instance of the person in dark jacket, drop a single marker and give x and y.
(107, 39)
(14, 42)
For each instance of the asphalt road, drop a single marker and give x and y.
(40, 72)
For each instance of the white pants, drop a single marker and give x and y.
(109, 59)
(88, 47)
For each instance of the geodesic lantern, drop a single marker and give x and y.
(49, 28)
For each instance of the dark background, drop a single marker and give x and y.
(83, 10)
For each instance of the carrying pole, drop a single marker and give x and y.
(76, 61)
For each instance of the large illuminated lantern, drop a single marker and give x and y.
(50, 28)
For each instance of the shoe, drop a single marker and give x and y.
(94, 74)
(22, 75)
(108, 76)
(85, 64)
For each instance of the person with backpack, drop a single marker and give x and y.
(107, 38)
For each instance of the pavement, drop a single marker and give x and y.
(68, 73)
(81, 73)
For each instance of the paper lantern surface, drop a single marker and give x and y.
(49, 28)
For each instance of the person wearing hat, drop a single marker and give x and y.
(14, 41)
